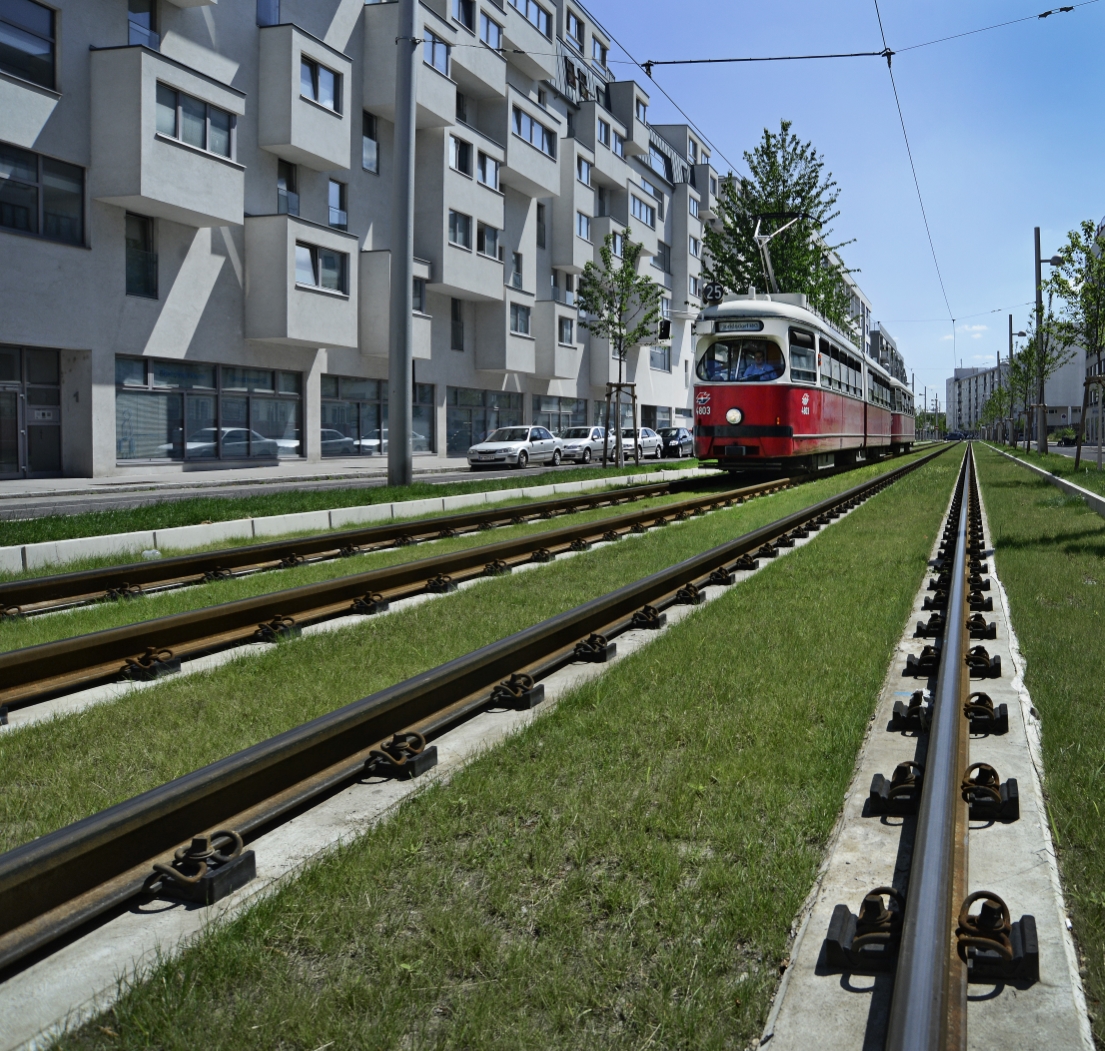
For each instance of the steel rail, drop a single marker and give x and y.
(41, 594)
(54, 884)
(928, 1009)
(35, 673)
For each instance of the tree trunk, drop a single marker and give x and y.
(1081, 423)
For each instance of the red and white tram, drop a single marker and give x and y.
(778, 388)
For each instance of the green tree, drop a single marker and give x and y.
(786, 177)
(1048, 352)
(621, 306)
(1080, 285)
(1022, 372)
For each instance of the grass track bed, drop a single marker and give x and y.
(622, 874)
(1050, 555)
(55, 772)
(195, 510)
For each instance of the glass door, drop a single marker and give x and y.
(9, 433)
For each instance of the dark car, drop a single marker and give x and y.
(677, 441)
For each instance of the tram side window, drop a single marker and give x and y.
(803, 359)
(741, 360)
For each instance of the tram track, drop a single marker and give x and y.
(53, 885)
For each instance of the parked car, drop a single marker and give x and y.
(236, 442)
(334, 443)
(645, 439)
(371, 445)
(678, 441)
(582, 444)
(517, 446)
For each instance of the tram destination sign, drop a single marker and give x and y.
(743, 325)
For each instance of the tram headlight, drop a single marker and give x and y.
(734, 416)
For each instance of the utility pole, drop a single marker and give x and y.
(400, 356)
(1041, 415)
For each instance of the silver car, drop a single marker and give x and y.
(582, 444)
(645, 439)
(517, 446)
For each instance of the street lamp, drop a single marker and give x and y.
(1041, 410)
(1021, 335)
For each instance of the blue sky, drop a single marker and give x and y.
(1005, 127)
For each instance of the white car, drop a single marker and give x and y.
(236, 442)
(645, 439)
(371, 444)
(582, 444)
(517, 446)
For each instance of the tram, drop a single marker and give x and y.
(779, 389)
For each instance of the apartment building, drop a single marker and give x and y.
(195, 203)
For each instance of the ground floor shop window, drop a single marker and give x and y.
(185, 410)
(473, 414)
(627, 412)
(558, 414)
(30, 412)
(655, 416)
(355, 417)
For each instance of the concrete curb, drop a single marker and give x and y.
(1093, 501)
(21, 557)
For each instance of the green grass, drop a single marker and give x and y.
(63, 769)
(1087, 475)
(622, 874)
(1050, 555)
(196, 510)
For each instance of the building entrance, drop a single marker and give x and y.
(30, 412)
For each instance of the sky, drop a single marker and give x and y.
(1005, 128)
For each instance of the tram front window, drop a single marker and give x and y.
(742, 361)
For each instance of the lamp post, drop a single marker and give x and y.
(1012, 426)
(1041, 409)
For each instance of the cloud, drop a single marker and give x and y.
(946, 339)
(976, 335)
(973, 328)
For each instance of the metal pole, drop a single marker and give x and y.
(928, 1009)
(1041, 415)
(400, 368)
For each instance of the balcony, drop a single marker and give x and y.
(703, 177)
(375, 306)
(538, 58)
(287, 303)
(528, 168)
(435, 92)
(571, 251)
(623, 102)
(312, 131)
(479, 72)
(497, 348)
(553, 359)
(139, 167)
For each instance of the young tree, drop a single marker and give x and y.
(1048, 352)
(786, 177)
(1022, 372)
(1080, 284)
(621, 306)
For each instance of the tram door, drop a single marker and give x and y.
(30, 412)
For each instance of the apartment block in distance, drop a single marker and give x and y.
(195, 221)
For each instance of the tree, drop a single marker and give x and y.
(621, 306)
(1048, 353)
(786, 177)
(1080, 284)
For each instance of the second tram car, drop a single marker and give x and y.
(778, 388)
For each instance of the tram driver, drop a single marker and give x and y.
(758, 367)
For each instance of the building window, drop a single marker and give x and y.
(618, 244)
(464, 11)
(194, 122)
(435, 52)
(558, 414)
(460, 155)
(41, 196)
(491, 33)
(604, 132)
(692, 205)
(460, 229)
(515, 269)
(566, 330)
(696, 247)
(619, 145)
(318, 267)
(662, 259)
(659, 358)
(487, 171)
(575, 30)
(141, 23)
(542, 98)
(456, 325)
(370, 143)
(418, 295)
(665, 308)
(462, 107)
(27, 42)
(141, 257)
(598, 51)
(355, 417)
(287, 197)
(645, 212)
(519, 319)
(650, 189)
(713, 185)
(642, 111)
(339, 217)
(535, 13)
(487, 240)
(692, 151)
(583, 226)
(583, 170)
(470, 415)
(692, 285)
(185, 410)
(540, 225)
(268, 12)
(319, 84)
(535, 133)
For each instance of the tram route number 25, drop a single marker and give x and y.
(713, 292)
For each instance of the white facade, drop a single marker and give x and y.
(195, 214)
